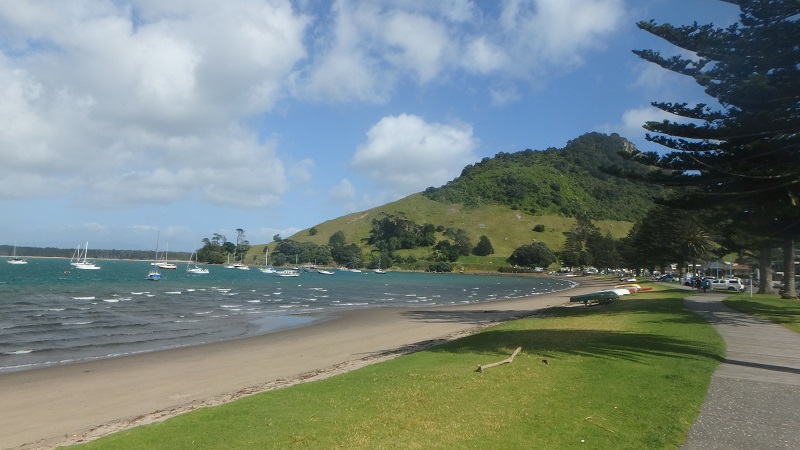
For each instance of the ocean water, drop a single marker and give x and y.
(53, 314)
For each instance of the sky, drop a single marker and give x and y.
(127, 122)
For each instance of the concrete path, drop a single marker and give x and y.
(754, 398)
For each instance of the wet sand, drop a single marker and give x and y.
(67, 404)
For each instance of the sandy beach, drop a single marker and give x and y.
(62, 405)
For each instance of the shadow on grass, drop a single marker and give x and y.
(472, 317)
(668, 307)
(596, 343)
(633, 347)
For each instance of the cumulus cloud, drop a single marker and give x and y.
(160, 96)
(373, 46)
(225, 168)
(405, 154)
(533, 37)
(140, 102)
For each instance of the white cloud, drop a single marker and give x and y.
(484, 57)
(404, 154)
(142, 102)
(632, 122)
(224, 168)
(130, 102)
(420, 44)
(372, 47)
(542, 35)
(634, 119)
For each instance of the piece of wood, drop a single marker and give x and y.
(505, 361)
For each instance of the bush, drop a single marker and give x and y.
(539, 228)
(440, 266)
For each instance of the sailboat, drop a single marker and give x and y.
(379, 270)
(267, 268)
(14, 259)
(228, 265)
(240, 264)
(154, 274)
(196, 270)
(164, 263)
(80, 259)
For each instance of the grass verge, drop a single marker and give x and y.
(769, 307)
(632, 374)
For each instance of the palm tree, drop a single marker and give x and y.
(695, 243)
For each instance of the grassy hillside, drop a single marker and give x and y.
(506, 229)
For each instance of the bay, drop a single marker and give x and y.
(51, 313)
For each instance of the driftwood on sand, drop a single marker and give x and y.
(505, 361)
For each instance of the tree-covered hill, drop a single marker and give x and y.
(508, 201)
(568, 181)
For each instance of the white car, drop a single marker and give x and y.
(727, 284)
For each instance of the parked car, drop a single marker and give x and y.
(727, 284)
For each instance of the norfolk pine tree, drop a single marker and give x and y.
(743, 155)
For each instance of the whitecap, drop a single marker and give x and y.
(18, 352)
(83, 298)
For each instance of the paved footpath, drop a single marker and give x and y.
(754, 398)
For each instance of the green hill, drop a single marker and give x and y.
(506, 197)
(566, 182)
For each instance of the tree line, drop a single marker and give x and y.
(388, 234)
(54, 252)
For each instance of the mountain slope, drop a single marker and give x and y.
(565, 181)
(506, 196)
(505, 228)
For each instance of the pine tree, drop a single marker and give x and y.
(745, 154)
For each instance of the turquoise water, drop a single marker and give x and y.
(53, 314)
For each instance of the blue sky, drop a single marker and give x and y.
(125, 119)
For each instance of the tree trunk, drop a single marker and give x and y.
(789, 290)
(765, 270)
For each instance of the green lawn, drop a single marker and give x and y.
(632, 374)
(769, 307)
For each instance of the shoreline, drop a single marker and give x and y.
(75, 403)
